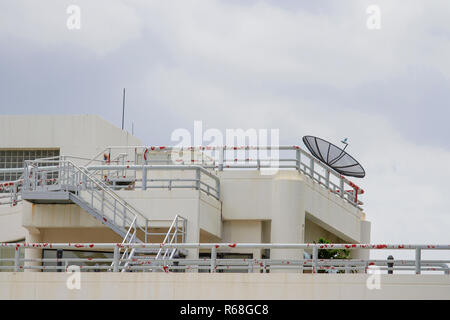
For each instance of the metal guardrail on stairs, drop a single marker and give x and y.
(63, 179)
(60, 179)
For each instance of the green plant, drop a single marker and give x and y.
(331, 253)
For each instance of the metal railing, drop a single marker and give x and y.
(10, 192)
(175, 232)
(196, 177)
(222, 158)
(87, 191)
(214, 264)
(131, 167)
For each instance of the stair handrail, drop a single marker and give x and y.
(106, 189)
(97, 182)
(174, 224)
(125, 240)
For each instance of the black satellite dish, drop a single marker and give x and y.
(335, 157)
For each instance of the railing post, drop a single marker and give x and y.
(315, 257)
(184, 230)
(311, 167)
(144, 178)
(213, 259)
(390, 265)
(327, 177)
(418, 262)
(341, 187)
(221, 156)
(59, 255)
(17, 260)
(124, 218)
(116, 258)
(298, 159)
(197, 178)
(347, 267)
(84, 182)
(103, 199)
(218, 189)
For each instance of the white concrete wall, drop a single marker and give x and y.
(287, 199)
(76, 135)
(11, 223)
(221, 286)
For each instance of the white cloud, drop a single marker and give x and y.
(105, 25)
(300, 46)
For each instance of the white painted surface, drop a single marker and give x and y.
(221, 286)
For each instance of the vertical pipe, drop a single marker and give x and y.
(184, 230)
(221, 158)
(213, 259)
(218, 189)
(418, 260)
(327, 177)
(17, 260)
(115, 208)
(347, 267)
(103, 199)
(315, 257)
(197, 177)
(390, 265)
(176, 229)
(116, 259)
(146, 231)
(59, 255)
(144, 178)
(124, 216)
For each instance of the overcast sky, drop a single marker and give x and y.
(305, 67)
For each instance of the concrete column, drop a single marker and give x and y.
(193, 233)
(33, 236)
(288, 217)
(365, 238)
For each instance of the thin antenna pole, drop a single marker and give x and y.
(123, 108)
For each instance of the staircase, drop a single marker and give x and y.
(62, 181)
(173, 235)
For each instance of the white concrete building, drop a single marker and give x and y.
(286, 207)
(94, 192)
